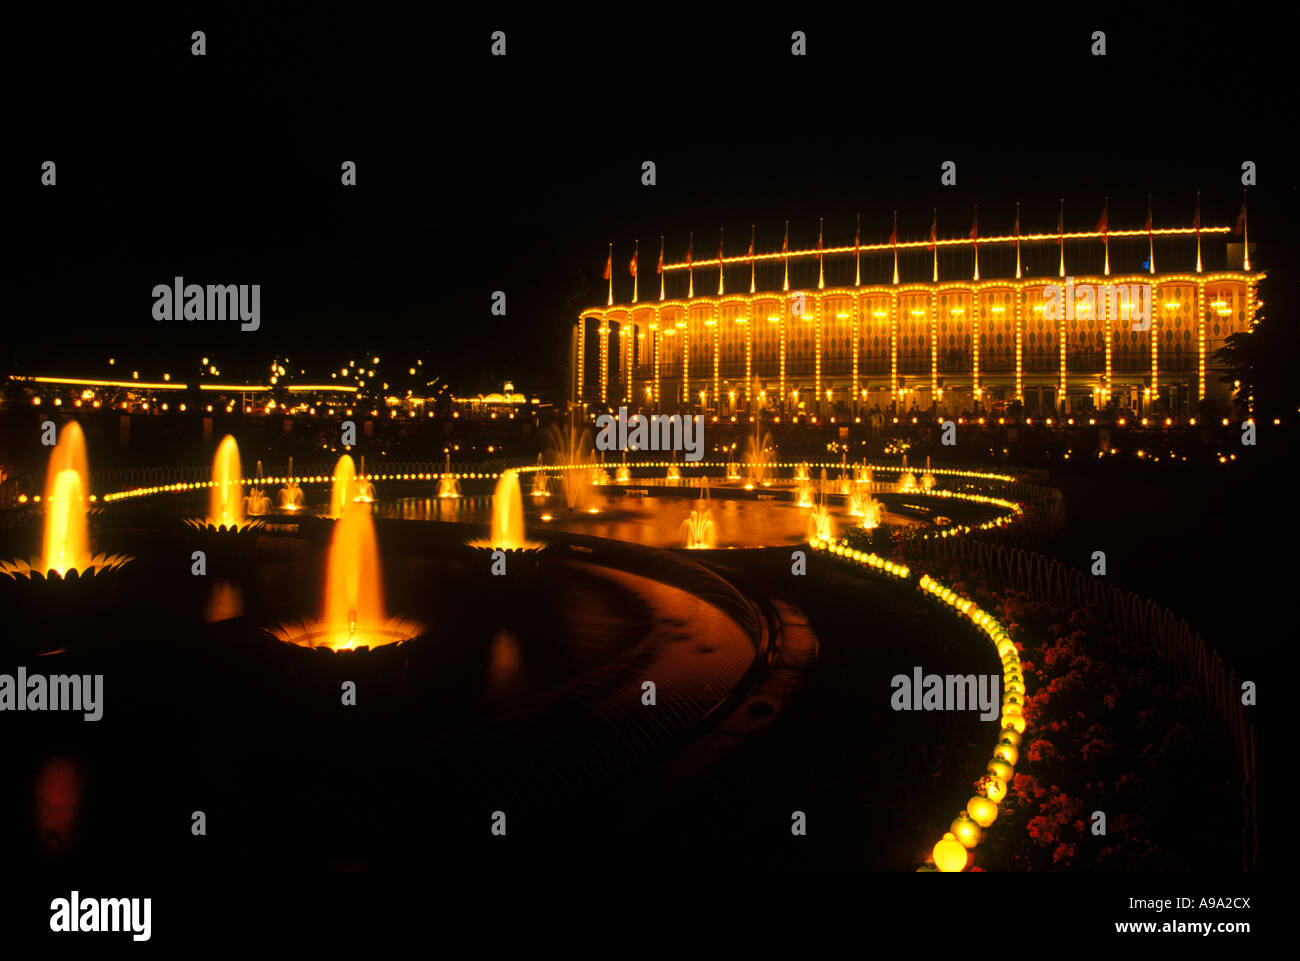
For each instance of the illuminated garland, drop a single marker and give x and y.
(954, 851)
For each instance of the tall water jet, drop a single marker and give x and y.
(226, 499)
(907, 479)
(354, 594)
(803, 492)
(698, 531)
(567, 450)
(507, 517)
(540, 486)
(801, 471)
(65, 543)
(365, 487)
(448, 483)
(820, 525)
(344, 489)
(352, 609)
(927, 479)
(758, 455)
(291, 496)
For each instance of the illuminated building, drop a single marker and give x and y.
(954, 345)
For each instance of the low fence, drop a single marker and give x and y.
(1143, 624)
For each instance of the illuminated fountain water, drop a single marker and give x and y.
(733, 469)
(927, 479)
(365, 487)
(226, 501)
(862, 474)
(65, 546)
(758, 458)
(507, 518)
(599, 477)
(567, 450)
(448, 484)
(624, 473)
(352, 609)
(907, 479)
(821, 526)
(674, 475)
(291, 498)
(343, 491)
(541, 484)
(803, 492)
(257, 503)
(698, 530)
(801, 471)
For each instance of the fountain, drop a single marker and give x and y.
(507, 518)
(257, 503)
(226, 501)
(291, 494)
(803, 492)
(344, 489)
(698, 530)
(862, 474)
(733, 469)
(541, 483)
(352, 611)
(568, 450)
(758, 455)
(927, 479)
(448, 484)
(801, 471)
(907, 479)
(599, 477)
(365, 488)
(65, 547)
(624, 474)
(820, 525)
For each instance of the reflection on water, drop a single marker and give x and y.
(58, 795)
(653, 521)
(225, 601)
(505, 677)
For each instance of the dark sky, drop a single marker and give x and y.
(478, 173)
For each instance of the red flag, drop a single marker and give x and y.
(1103, 221)
(934, 230)
(690, 248)
(1241, 219)
(660, 269)
(893, 236)
(750, 252)
(1060, 226)
(1196, 220)
(1147, 228)
(857, 236)
(975, 227)
(609, 265)
(631, 267)
(785, 244)
(719, 252)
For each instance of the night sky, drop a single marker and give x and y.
(478, 173)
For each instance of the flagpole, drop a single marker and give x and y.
(894, 240)
(1245, 233)
(661, 270)
(1151, 243)
(636, 249)
(934, 242)
(1105, 234)
(821, 274)
(751, 258)
(690, 267)
(1060, 234)
(721, 235)
(1017, 240)
(1198, 231)
(785, 249)
(610, 274)
(857, 254)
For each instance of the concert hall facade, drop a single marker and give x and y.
(899, 344)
